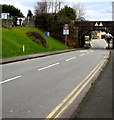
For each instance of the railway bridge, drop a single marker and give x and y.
(85, 27)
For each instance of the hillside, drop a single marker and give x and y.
(15, 38)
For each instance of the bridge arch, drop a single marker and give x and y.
(85, 27)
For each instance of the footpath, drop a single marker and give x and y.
(98, 103)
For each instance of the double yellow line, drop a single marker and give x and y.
(83, 84)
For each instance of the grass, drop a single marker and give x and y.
(13, 39)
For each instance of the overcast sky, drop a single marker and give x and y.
(100, 10)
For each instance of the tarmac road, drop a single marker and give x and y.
(99, 43)
(33, 88)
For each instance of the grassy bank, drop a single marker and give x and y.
(15, 38)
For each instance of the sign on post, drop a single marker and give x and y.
(66, 29)
(66, 32)
(46, 33)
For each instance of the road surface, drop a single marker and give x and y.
(33, 88)
(99, 43)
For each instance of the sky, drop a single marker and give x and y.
(100, 10)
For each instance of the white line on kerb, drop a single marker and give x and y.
(82, 54)
(10, 79)
(48, 66)
(70, 58)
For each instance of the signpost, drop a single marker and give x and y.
(46, 33)
(66, 32)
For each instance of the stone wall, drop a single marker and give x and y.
(6, 24)
(29, 23)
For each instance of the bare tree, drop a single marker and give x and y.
(60, 2)
(47, 6)
(80, 10)
(41, 7)
(57, 5)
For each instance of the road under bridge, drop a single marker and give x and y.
(83, 28)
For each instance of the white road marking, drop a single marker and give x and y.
(8, 80)
(70, 58)
(48, 66)
(84, 51)
(82, 54)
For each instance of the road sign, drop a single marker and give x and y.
(100, 24)
(66, 29)
(46, 33)
(66, 32)
(96, 24)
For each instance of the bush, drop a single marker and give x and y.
(54, 23)
(37, 38)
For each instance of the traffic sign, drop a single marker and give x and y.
(46, 33)
(65, 32)
(66, 29)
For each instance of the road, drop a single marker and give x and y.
(99, 43)
(33, 88)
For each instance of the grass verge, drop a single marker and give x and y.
(13, 40)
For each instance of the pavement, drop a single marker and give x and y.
(98, 102)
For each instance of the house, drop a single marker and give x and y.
(6, 20)
(4, 16)
(21, 21)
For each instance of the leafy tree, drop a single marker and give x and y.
(29, 14)
(15, 12)
(15, 20)
(69, 12)
(54, 22)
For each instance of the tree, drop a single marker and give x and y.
(15, 20)
(69, 12)
(41, 7)
(46, 6)
(15, 12)
(54, 22)
(56, 6)
(80, 11)
(29, 14)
